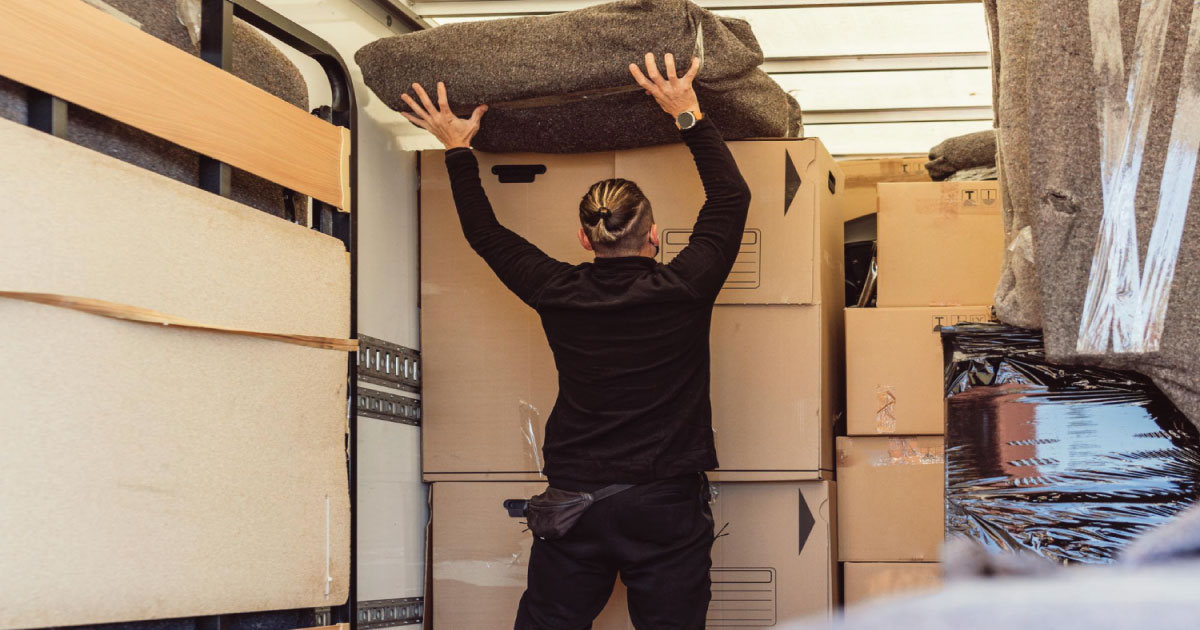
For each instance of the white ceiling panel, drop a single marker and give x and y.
(868, 30)
(889, 90)
(912, 138)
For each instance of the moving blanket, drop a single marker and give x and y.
(561, 84)
(961, 153)
(1099, 135)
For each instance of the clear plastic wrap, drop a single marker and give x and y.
(1070, 463)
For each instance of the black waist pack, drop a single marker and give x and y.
(551, 514)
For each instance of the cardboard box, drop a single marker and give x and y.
(940, 244)
(894, 370)
(890, 498)
(775, 564)
(871, 580)
(863, 175)
(489, 379)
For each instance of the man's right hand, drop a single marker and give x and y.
(673, 93)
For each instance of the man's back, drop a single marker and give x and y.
(630, 341)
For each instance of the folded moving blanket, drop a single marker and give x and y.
(561, 83)
(961, 153)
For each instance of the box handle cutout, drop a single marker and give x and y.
(832, 183)
(518, 173)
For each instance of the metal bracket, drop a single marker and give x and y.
(385, 363)
(385, 613)
(390, 407)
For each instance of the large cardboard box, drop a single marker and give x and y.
(871, 580)
(862, 176)
(940, 244)
(894, 368)
(774, 564)
(489, 379)
(890, 498)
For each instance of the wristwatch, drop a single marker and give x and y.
(687, 120)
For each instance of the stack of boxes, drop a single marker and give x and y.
(940, 249)
(490, 383)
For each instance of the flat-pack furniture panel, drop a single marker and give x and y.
(83, 55)
(940, 243)
(890, 498)
(152, 471)
(894, 376)
(774, 566)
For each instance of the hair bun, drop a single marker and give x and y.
(604, 212)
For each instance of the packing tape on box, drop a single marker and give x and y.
(906, 452)
(530, 423)
(139, 315)
(1125, 307)
(885, 416)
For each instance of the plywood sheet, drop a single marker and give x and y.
(153, 472)
(85, 56)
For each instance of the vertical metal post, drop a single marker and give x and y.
(47, 113)
(216, 47)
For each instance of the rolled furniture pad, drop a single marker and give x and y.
(561, 83)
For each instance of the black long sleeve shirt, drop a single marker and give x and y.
(629, 334)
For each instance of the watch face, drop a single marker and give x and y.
(685, 120)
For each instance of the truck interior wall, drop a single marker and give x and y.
(392, 500)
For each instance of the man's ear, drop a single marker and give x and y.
(583, 240)
(654, 234)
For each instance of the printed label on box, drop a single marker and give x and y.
(747, 269)
(742, 598)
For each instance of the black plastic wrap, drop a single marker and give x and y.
(1068, 462)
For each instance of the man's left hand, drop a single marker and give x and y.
(454, 132)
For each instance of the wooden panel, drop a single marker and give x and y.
(83, 55)
(151, 471)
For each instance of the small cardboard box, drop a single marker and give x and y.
(940, 244)
(870, 580)
(862, 176)
(775, 565)
(890, 498)
(894, 368)
(489, 380)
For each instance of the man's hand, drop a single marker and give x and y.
(454, 132)
(674, 94)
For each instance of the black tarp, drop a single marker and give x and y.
(1067, 462)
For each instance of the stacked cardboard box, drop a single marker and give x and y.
(489, 378)
(940, 249)
(862, 176)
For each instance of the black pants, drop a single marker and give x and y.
(656, 536)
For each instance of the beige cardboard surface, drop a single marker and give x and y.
(890, 498)
(940, 243)
(152, 472)
(894, 368)
(774, 398)
(781, 260)
(871, 580)
(489, 379)
(762, 576)
(863, 175)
